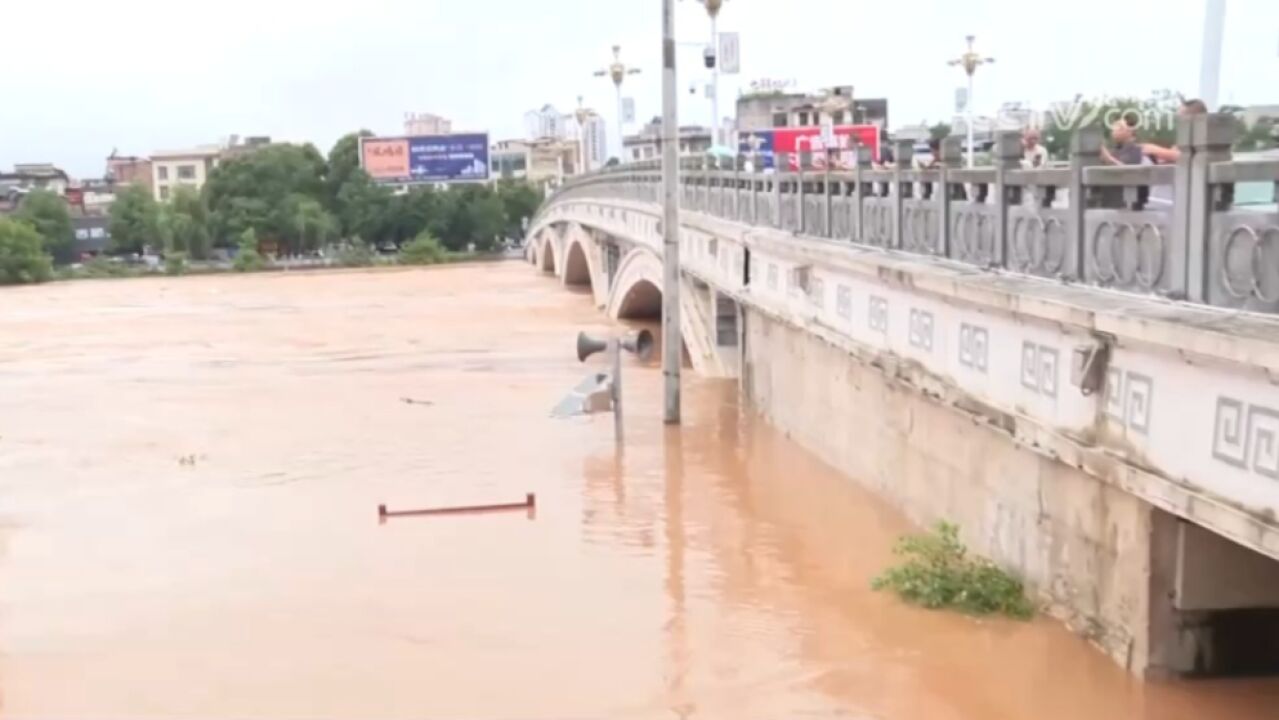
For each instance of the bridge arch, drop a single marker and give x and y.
(546, 251)
(579, 266)
(637, 287)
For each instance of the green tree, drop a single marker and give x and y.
(520, 201)
(135, 221)
(22, 255)
(422, 250)
(184, 223)
(48, 214)
(477, 217)
(247, 256)
(254, 191)
(364, 208)
(312, 226)
(940, 131)
(344, 162)
(1263, 135)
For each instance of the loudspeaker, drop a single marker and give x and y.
(588, 346)
(640, 343)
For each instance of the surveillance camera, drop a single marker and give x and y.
(709, 56)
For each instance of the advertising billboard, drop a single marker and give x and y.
(460, 157)
(793, 141)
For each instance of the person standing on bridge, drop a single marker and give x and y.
(1033, 153)
(1169, 155)
(1125, 151)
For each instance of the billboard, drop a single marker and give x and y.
(461, 157)
(792, 141)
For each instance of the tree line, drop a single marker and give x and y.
(287, 197)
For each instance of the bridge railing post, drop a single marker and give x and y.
(952, 157)
(783, 161)
(864, 159)
(902, 189)
(826, 224)
(754, 181)
(1085, 152)
(1008, 152)
(1215, 234)
(799, 193)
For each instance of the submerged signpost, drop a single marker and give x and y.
(601, 392)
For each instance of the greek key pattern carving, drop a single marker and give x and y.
(844, 302)
(877, 314)
(974, 347)
(1246, 436)
(921, 329)
(1128, 399)
(1039, 368)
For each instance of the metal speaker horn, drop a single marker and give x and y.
(588, 346)
(640, 343)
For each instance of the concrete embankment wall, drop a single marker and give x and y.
(1082, 546)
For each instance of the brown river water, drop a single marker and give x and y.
(189, 475)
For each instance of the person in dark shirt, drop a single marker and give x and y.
(1125, 151)
(886, 157)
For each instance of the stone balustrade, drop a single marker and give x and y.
(1173, 231)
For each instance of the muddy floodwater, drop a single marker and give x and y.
(190, 471)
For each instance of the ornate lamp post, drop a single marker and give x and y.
(617, 72)
(970, 61)
(712, 9)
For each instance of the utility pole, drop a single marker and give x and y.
(672, 341)
(1210, 62)
(970, 61)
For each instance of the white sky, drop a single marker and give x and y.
(83, 76)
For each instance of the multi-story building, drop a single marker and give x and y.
(543, 162)
(191, 168)
(128, 170)
(547, 123)
(426, 124)
(594, 138)
(775, 109)
(34, 176)
(646, 145)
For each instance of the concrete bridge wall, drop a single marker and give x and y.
(1115, 449)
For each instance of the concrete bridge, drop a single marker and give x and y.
(1080, 375)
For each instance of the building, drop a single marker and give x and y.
(92, 235)
(547, 123)
(646, 144)
(128, 170)
(235, 147)
(1256, 113)
(771, 109)
(191, 168)
(593, 131)
(426, 124)
(544, 162)
(34, 176)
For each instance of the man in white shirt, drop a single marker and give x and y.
(1033, 153)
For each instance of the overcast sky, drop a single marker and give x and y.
(84, 76)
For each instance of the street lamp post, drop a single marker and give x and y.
(970, 61)
(581, 114)
(712, 9)
(617, 71)
(672, 341)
